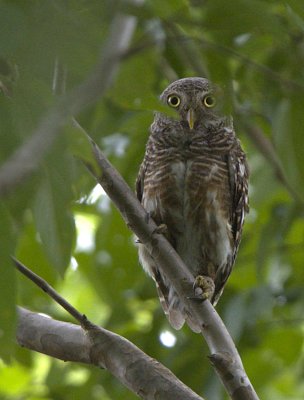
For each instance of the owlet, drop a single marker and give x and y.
(194, 181)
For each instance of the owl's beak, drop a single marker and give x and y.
(190, 118)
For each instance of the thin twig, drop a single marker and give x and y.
(96, 346)
(40, 282)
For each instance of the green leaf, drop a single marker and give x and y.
(229, 19)
(14, 381)
(31, 252)
(165, 9)
(140, 94)
(295, 18)
(285, 343)
(114, 268)
(54, 222)
(7, 286)
(10, 39)
(51, 207)
(289, 140)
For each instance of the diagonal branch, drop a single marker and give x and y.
(26, 159)
(97, 346)
(222, 348)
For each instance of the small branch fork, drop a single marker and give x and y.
(91, 344)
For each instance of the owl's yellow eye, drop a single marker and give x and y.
(209, 101)
(173, 101)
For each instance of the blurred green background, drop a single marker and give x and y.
(60, 225)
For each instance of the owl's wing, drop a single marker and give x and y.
(238, 174)
(139, 184)
(238, 178)
(173, 313)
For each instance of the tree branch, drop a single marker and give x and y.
(222, 348)
(97, 346)
(26, 159)
(91, 344)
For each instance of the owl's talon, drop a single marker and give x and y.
(162, 229)
(203, 287)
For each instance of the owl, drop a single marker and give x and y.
(193, 182)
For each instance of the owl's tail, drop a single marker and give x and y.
(172, 307)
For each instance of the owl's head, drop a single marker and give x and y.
(193, 98)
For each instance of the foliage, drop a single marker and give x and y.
(62, 227)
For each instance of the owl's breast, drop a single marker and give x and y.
(202, 215)
(178, 182)
(191, 195)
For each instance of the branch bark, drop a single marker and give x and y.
(26, 159)
(97, 346)
(221, 345)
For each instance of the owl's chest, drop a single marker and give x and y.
(182, 187)
(180, 174)
(195, 176)
(189, 184)
(183, 177)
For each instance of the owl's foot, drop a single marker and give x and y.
(203, 287)
(162, 229)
